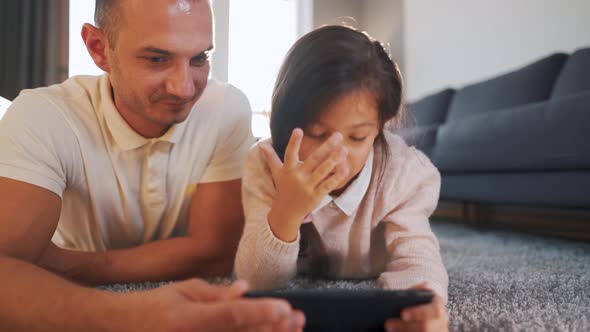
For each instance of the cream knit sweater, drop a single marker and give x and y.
(388, 236)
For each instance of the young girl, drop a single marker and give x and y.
(335, 195)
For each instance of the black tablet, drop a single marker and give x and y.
(348, 310)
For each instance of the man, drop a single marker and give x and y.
(135, 176)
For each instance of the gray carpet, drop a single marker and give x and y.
(500, 281)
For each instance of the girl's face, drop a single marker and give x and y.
(355, 116)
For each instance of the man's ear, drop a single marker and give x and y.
(97, 45)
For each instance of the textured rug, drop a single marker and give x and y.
(499, 281)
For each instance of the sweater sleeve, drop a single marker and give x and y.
(262, 259)
(412, 246)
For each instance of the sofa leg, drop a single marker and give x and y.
(472, 213)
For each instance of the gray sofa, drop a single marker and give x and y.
(520, 138)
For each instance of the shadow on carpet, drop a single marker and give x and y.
(499, 281)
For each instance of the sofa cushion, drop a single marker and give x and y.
(431, 109)
(551, 135)
(575, 75)
(529, 84)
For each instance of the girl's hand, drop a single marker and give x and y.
(302, 185)
(427, 317)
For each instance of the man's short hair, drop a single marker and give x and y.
(107, 16)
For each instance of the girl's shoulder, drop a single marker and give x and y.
(255, 163)
(397, 153)
(399, 166)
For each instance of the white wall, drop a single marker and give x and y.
(80, 62)
(383, 20)
(220, 57)
(304, 16)
(455, 42)
(337, 12)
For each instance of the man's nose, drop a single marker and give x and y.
(180, 82)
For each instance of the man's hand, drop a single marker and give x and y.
(427, 317)
(195, 305)
(302, 185)
(36, 300)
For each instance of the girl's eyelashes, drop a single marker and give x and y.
(316, 135)
(322, 136)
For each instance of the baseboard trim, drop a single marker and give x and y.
(559, 222)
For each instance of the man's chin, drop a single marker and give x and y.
(176, 114)
(180, 117)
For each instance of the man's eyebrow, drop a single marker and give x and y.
(151, 49)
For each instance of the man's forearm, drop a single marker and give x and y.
(36, 300)
(172, 259)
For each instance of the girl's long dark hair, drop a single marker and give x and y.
(323, 65)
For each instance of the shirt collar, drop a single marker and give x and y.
(351, 198)
(125, 137)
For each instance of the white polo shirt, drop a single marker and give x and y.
(118, 188)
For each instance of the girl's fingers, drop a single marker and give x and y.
(427, 317)
(272, 160)
(328, 166)
(432, 310)
(422, 326)
(292, 150)
(321, 153)
(423, 285)
(332, 182)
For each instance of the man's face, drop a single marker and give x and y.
(160, 61)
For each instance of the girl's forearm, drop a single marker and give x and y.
(264, 260)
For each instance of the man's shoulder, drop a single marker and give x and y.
(218, 89)
(76, 94)
(60, 108)
(222, 111)
(224, 98)
(75, 87)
